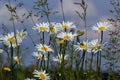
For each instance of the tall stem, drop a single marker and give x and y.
(63, 15)
(100, 51)
(11, 65)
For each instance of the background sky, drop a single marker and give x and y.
(98, 10)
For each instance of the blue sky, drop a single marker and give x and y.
(98, 10)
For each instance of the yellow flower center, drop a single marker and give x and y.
(12, 40)
(83, 46)
(7, 69)
(101, 28)
(65, 26)
(60, 59)
(99, 47)
(67, 37)
(20, 35)
(60, 41)
(52, 29)
(42, 76)
(39, 56)
(43, 28)
(44, 48)
(17, 60)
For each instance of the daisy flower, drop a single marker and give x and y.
(29, 79)
(9, 39)
(44, 48)
(21, 35)
(42, 27)
(66, 36)
(54, 28)
(59, 58)
(60, 41)
(41, 75)
(6, 69)
(17, 60)
(38, 55)
(95, 46)
(102, 26)
(81, 46)
(67, 25)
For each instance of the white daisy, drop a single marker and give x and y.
(59, 58)
(81, 46)
(44, 48)
(42, 27)
(67, 25)
(95, 46)
(21, 35)
(54, 28)
(17, 60)
(29, 79)
(38, 55)
(102, 26)
(9, 39)
(41, 75)
(60, 41)
(66, 36)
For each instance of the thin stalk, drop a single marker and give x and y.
(48, 61)
(72, 54)
(11, 65)
(83, 58)
(62, 64)
(1, 73)
(63, 15)
(43, 38)
(97, 68)
(100, 51)
(41, 62)
(91, 63)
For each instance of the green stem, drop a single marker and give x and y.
(11, 66)
(83, 58)
(62, 64)
(63, 15)
(91, 63)
(100, 52)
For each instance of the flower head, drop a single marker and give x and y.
(66, 36)
(42, 27)
(54, 28)
(82, 46)
(67, 25)
(21, 35)
(95, 46)
(7, 69)
(9, 39)
(12, 39)
(60, 41)
(38, 55)
(41, 75)
(59, 58)
(102, 26)
(17, 60)
(44, 48)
